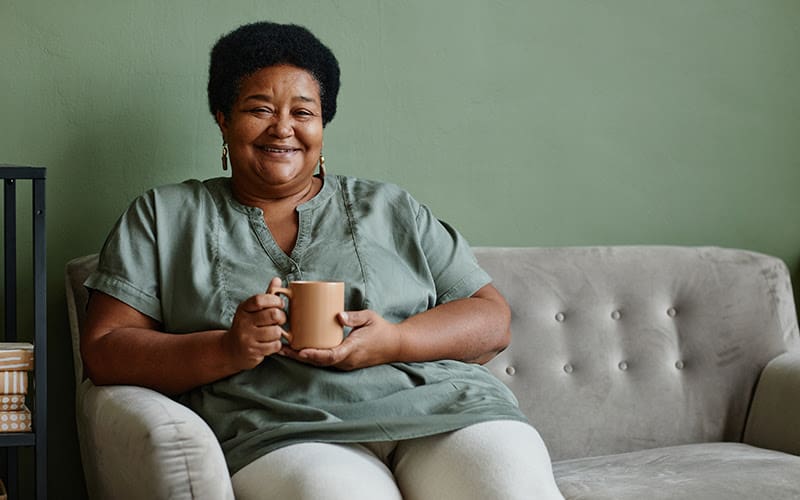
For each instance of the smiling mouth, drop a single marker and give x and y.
(277, 150)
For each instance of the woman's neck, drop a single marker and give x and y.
(277, 198)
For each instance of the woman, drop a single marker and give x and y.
(402, 408)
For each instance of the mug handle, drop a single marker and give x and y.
(288, 293)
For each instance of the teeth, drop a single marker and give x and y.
(276, 150)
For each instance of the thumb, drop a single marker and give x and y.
(273, 284)
(354, 318)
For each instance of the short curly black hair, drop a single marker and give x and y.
(255, 46)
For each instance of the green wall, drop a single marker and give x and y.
(545, 122)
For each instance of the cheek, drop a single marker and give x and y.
(242, 127)
(244, 132)
(315, 138)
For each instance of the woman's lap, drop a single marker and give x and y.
(498, 459)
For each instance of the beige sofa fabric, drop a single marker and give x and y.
(617, 349)
(707, 471)
(774, 420)
(136, 443)
(637, 364)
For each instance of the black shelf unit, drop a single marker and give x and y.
(37, 439)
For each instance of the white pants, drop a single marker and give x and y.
(502, 460)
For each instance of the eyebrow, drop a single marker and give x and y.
(267, 98)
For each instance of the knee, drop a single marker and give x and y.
(313, 471)
(503, 459)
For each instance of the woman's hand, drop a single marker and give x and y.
(121, 345)
(373, 341)
(255, 332)
(472, 329)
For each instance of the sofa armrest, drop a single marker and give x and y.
(775, 409)
(138, 443)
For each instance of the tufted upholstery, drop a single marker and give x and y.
(638, 365)
(619, 349)
(622, 348)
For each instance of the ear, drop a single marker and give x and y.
(223, 126)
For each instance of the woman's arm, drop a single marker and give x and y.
(472, 329)
(120, 345)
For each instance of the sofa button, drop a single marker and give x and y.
(679, 365)
(672, 312)
(511, 370)
(560, 317)
(568, 368)
(623, 365)
(616, 315)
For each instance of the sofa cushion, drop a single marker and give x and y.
(707, 471)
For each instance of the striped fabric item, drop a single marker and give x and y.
(13, 382)
(16, 356)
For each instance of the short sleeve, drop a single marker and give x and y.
(128, 265)
(452, 264)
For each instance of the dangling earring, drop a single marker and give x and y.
(224, 156)
(322, 165)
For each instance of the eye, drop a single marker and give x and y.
(261, 110)
(304, 114)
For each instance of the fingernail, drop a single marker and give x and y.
(344, 316)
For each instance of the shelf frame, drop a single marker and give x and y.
(38, 438)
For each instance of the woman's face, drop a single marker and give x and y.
(274, 131)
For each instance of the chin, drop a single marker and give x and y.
(283, 174)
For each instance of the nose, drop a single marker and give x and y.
(281, 126)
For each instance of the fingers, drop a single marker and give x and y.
(248, 346)
(261, 301)
(265, 347)
(264, 300)
(256, 329)
(320, 357)
(269, 317)
(257, 318)
(364, 346)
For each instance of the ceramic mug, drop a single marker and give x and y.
(313, 313)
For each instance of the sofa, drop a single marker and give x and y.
(654, 372)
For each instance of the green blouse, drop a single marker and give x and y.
(188, 254)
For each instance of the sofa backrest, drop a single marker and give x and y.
(76, 272)
(622, 348)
